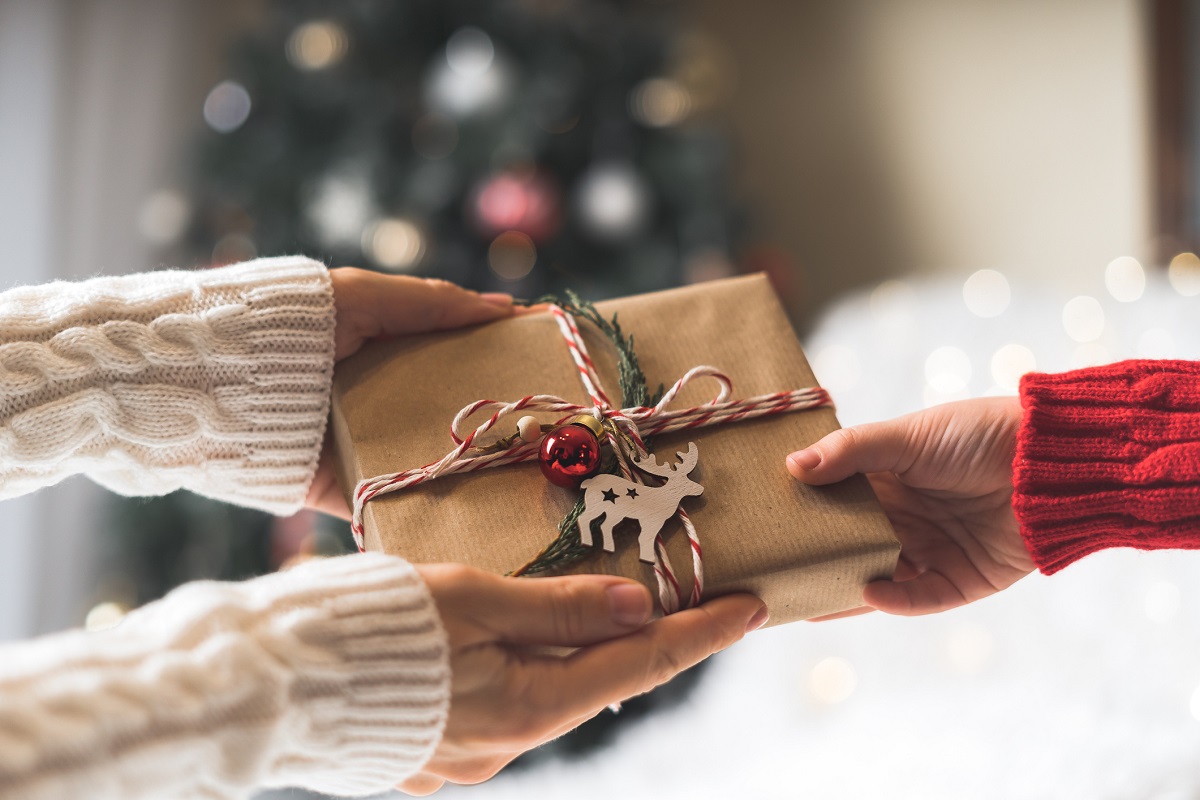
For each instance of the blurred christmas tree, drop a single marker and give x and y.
(527, 146)
(523, 146)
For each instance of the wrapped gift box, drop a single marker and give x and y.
(805, 551)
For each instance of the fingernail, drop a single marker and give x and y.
(629, 604)
(805, 459)
(758, 620)
(497, 299)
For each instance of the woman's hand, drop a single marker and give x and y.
(369, 306)
(507, 698)
(944, 477)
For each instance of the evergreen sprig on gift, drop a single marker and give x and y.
(568, 548)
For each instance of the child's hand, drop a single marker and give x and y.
(369, 306)
(506, 700)
(944, 477)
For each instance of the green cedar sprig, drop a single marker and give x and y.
(567, 548)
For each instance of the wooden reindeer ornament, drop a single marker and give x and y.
(613, 499)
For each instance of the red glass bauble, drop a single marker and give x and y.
(568, 455)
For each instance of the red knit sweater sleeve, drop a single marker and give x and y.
(1109, 457)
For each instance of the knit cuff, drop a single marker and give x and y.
(1109, 457)
(333, 676)
(284, 315)
(372, 684)
(214, 380)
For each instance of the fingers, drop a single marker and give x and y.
(937, 579)
(875, 447)
(406, 305)
(518, 701)
(468, 770)
(905, 571)
(928, 593)
(370, 304)
(619, 669)
(421, 785)
(853, 612)
(573, 611)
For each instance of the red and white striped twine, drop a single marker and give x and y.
(635, 423)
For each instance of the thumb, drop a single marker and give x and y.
(618, 669)
(573, 610)
(370, 304)
(875, 447)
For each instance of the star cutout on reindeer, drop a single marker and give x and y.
(651, 507)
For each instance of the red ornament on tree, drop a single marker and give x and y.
(517, 200)
(571, 452)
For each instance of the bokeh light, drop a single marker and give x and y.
(522, 200)
(317, 45)
(986, 293)
(1184, 274)
(511, 255)
(613, 201)
(233, 248)
(832, 680)
(471, 78)
(1083, 318)
(339, 207)
(470, 52)
(1125, 279)
(394, 243)
(1009, 363)
(659, 102)
(104, 616)
(227, 107)
(1194, 703)
(947, 370)
(164, 216)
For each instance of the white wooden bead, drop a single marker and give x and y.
(529, 429)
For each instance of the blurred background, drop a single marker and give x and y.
(946, 193)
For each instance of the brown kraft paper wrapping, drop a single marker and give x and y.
(806, 551)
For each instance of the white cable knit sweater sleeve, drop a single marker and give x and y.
(332, 676)
(215, 381)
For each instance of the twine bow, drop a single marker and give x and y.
(625, 430)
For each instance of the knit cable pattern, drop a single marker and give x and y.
(333, 676)
(215, 381)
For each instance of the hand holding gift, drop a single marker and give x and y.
(944, 476)
(374, 306)
(982, 491)
(505, 700)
